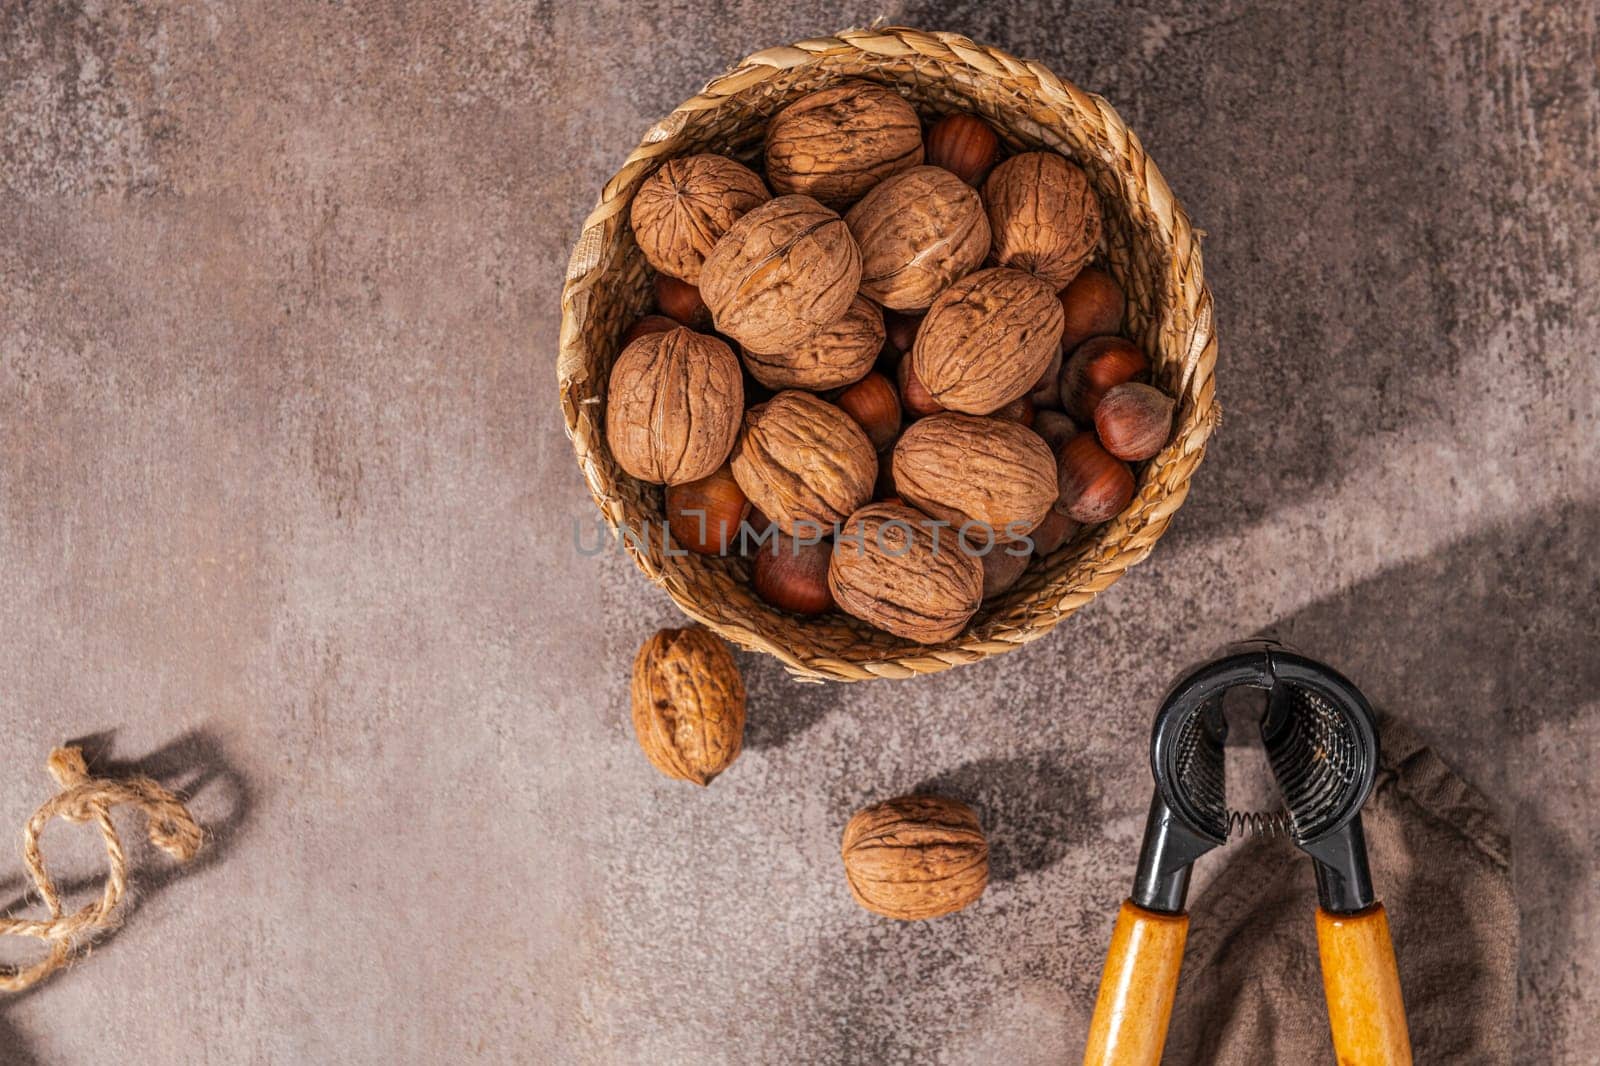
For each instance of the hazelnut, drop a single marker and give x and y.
(914, 395)
(836, 143)
(1020, 411)
(703, 516)
(875, 405)
(966, 146)
(915, 857)
(1099, 364)
(648, 324)
(962, 468)
(918, 231)
(686, 205)
(792, 574)
(1057, 528)
(1055, 427)
(1095, 485)
(986, 340)
(895, 570)
(688, 704)
(681, 301)
(1133, 420)
(1044, 216)
(901, 329)
(758, 530)
(1093, 304)
(1002, 566)
(1047, 390)
(838, 354)
(673, 406)
(803, 462)
(781, 274)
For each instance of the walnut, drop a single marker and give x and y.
(836, 143)
(998, 474)
(682, 210)
(802, 460)
(838, 355)
(688, 703)
(781, 274)
(673, 406)
(918, 232)
(987, 339)
(896, 570)
(916, 857)
(1044, 216)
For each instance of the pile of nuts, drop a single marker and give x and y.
(895, 407)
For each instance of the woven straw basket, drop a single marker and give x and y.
(1149, 247)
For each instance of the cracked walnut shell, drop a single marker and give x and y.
(684, 208)
(803, 460)
(688, 703)
(838, 355)
(996, 473)
(836, 143)
(781, 274)
(893, 569)
(673, 405)
(1044, 216)
(987, 339)
(915, 857)
(918, 231)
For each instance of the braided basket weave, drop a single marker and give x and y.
(1149, 247)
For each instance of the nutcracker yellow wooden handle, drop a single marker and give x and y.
(1362, 984)
(1129, 1026)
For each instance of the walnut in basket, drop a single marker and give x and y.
(918, 231)
(838, 142)
(990, 471)
(688, 703)
(684, 208)
(802, 460)
(838, 355)
(987, 339)
(892, 568)
(781, 274)
(1044, 215)
(915, 857)
(673, 406)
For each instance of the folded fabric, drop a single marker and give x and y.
(1251, 988)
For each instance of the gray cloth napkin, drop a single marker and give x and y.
(1251, 987)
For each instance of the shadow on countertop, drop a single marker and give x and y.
(1487, 649)
(1034, 808)
(1474, 647)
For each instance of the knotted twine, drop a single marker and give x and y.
(83, 798)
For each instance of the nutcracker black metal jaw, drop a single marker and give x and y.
(1321, 741)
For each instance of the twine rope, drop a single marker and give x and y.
(82, 798)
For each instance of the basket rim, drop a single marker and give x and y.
(1117, 545)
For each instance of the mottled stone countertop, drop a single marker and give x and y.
(286, 504)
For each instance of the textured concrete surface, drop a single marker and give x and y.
(285, 508)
